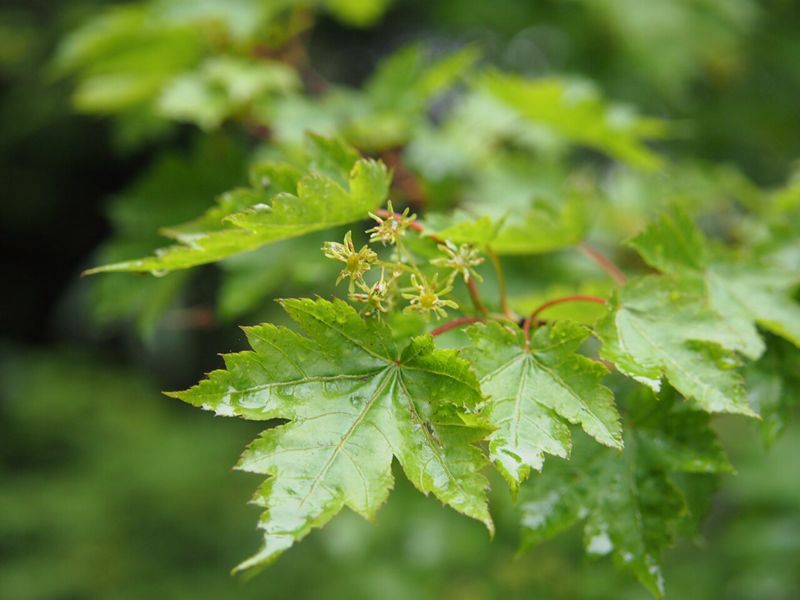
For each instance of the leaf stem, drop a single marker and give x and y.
(501, 284)
(526, 327)
(604, 263)
(455, 323)
(476, 298)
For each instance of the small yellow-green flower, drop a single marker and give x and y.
(356, 262)
(425, 297)
(392, 228)
(374, 296)
(461, 259)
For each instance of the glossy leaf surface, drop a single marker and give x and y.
(353, 399)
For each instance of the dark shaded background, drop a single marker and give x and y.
(110, 490)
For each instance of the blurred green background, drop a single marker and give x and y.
(110, 490)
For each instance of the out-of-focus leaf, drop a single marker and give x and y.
(576, 112)
(361, 13)
(587, 313)
(629, 504)
(390, 107)
(773, 385)
(222, 86)
(744, 293)
(124, 58)
(250, 279)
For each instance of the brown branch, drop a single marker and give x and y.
(193, 317)
(455, 323)
(526, 327)
(404, 180)
(604, 263)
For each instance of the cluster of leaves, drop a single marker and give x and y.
(611, 404)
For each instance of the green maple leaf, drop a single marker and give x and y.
(538, 229)
(744, 293)
(283, 203)
(772, 384)
(534, 393)
(627, 501)
(628, 511)
(577, 113)
(673, 435)
(222, 85)
(353, 399)
(660, 327)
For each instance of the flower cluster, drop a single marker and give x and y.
(425, 288)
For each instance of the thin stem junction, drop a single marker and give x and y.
(455, 323)
(526, 327)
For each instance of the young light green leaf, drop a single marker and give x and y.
(285, 204)
(673, 244)
(541, 228)
(750, 293)
(661, 328)
(534, 394)
(353, 399)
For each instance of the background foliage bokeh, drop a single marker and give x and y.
(111, 490)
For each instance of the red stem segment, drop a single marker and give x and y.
(604, 263)
(476, 298)
(455, 323)
(526, 327)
